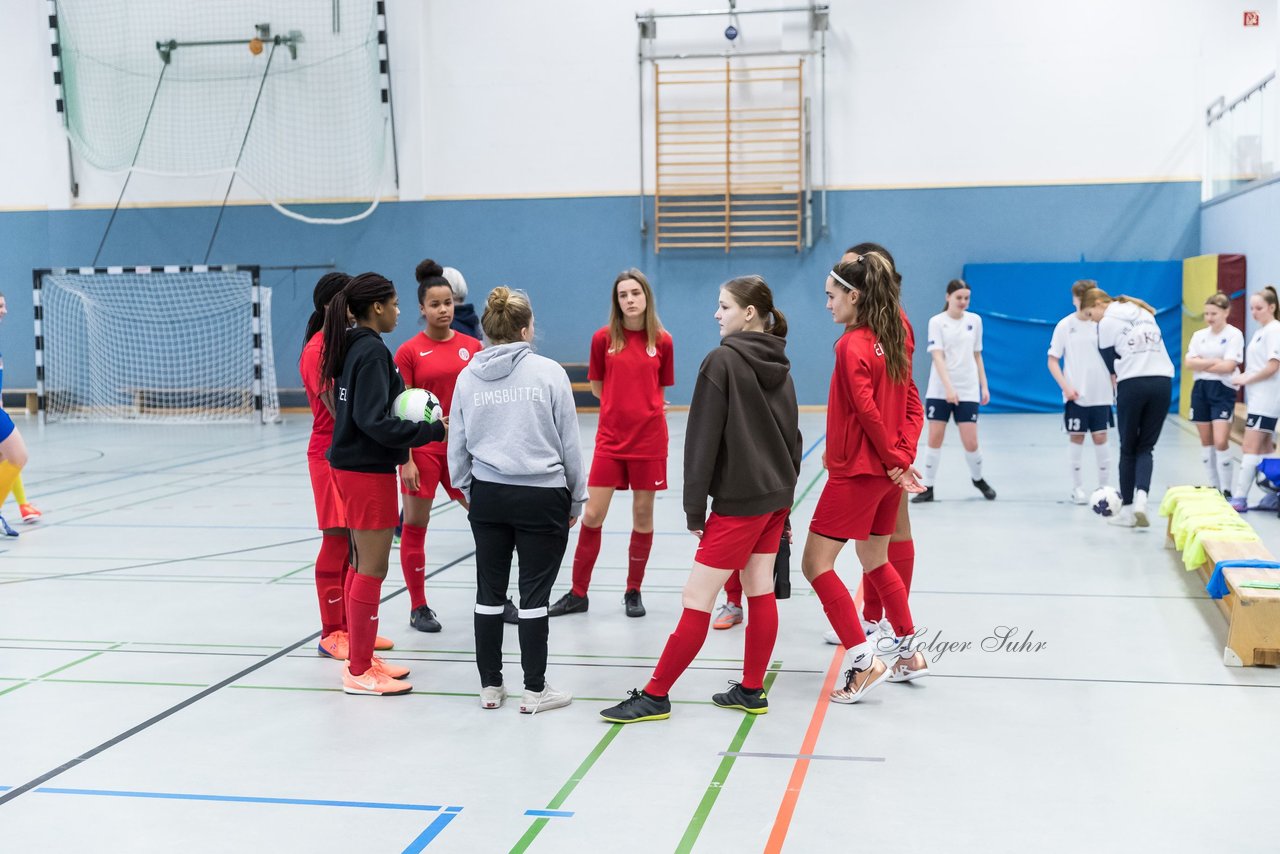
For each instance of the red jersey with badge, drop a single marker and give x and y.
(873, 423)
(633, 424)
(321, 417)
(435, 365)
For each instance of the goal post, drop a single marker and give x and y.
(154, 343)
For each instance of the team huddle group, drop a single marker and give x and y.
(507, 448)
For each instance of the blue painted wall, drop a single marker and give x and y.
(565, 252)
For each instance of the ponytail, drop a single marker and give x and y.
(1268, 295)
(777, 324)
(879, 310)
(328, 286)
(353, 302)
(1142, 304)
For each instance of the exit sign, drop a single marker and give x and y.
(1251, 19)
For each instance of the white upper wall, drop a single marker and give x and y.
(503, 98)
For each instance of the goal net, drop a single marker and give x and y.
(185, 89)
(170, 344)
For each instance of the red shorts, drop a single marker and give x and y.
(433, 471)
(369, 500)
(328, 504)
(728, 541)
(650, 475)
(854, 508)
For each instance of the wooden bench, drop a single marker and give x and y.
(1253, 614)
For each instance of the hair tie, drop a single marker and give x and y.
(836, 276)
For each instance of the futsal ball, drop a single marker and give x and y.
(417, 404)
(1105, 501)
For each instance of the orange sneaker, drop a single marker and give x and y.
(395, 671)
(728, 616)
(383, 644)
(29, 513)
(334, 645)
(374, 682)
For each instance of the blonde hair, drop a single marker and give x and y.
(1219, 300)
(506, 312)
(872, 276)
(652, 325)
(1268, 295)
(1097, 296)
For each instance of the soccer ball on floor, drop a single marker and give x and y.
(1105, 501)
(417, 404)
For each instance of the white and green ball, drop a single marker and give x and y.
(418, 405)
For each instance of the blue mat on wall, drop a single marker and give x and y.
(1021, 303)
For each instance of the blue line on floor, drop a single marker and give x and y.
(433, 830)
(549, 813)
(239, 799)
(812, 447)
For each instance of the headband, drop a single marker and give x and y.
(836, 276)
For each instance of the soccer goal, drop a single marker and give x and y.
(164, 344)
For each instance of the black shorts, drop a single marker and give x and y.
(964, 412)
(1086, 419)
(1212, 401)
(1260, 422)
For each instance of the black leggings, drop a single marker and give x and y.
(533, 522)
(1141, 406)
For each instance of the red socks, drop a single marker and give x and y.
(347, 572)
(762, 633)
(903, 557)
(682, 647)
(838, 604)
(584, 558)
(902, 554)
(329, 565)
(893, 593)
(733, 589)
(638, 558)
(362, 614)
(413, 562)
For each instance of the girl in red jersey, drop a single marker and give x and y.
(432, 359)
(368, 444)
(742, 448)
(632, 360)
(874, 419)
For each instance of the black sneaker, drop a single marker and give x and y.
(635, 606)
(424, 619)
(987, 492)
(922, 497)
(752, 702)
(510, 614)
(638, 706)
(568, 604)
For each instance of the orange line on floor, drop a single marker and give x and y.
(782, 823)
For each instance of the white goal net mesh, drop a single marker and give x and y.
(149, 344)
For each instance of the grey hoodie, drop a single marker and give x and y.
(513, 421)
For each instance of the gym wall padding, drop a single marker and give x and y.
(1021, 303)
(1203, 276)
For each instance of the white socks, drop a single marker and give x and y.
(974, 459)
(1224, 469)
(1209, 458)
(1102, 453)
(1076, 457)
(931, 457)
(1244, 477)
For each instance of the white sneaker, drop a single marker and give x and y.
(1078, 496)
(911, 667)
(545, 700)
(870, 629)
(1123, 519)
(491, 697)
(1140, 509)
(862, 672)
(831, 637)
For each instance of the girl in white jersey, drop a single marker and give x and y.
(1087, 391)
(1261, 391)
(957, 386)
(1215, 354)
(1133, 348)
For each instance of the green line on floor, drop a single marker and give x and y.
(567, 789)
(307, 565)
(56, 670)
(722, 773)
